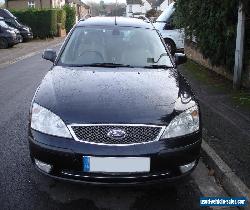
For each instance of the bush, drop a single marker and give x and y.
(61, 18)
(42, 22)
(247, 44)
(213, 23)
(151, 13)
(70, 17)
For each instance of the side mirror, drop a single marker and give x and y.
(49, 54)
(168, 26)
(180, 58)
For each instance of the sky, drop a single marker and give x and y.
(105, 1)
(96, 1)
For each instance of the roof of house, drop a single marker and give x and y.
(78, 2)
(155, 3)
(159, 2)
(151, 2)
(134, 1)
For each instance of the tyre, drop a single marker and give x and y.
(21, 39)
(170, 45)
(3, 43)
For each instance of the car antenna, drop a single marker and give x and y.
(115, 11)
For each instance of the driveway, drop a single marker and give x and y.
(22, 50)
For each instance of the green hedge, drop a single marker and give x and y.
(70, 17)
(42, 22)
(214, 24)
(61, 17)
(247, 44)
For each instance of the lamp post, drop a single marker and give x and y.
(239, 51)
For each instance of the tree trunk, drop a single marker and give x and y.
(41, 4)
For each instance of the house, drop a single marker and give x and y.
(39, 4)
(81, 8)
(137, 7)
(84, 10)
(113, 9)
(153, 3)
(164, 4)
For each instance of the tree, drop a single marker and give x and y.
(151, 13)
(2, 4)
(213, 24)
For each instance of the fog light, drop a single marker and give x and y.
(187, 167)
(43, 166)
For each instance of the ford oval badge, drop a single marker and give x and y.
(116, 134)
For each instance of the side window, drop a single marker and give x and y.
(10, 22)
(170, 23)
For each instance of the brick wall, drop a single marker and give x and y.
(23, 4)
(17, 4)
(193, 53)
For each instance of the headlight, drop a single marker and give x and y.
(11, 32)
(47, 122)
(185, 123)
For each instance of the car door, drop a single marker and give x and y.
(170, 31)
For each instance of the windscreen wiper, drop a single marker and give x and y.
(114, 65)
(157, 67)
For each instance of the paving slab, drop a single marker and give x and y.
(227, 125)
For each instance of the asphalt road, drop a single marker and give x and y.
(22, 187)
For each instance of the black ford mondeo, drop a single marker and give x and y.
(113, 108)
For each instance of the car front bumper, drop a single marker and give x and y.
(27, 36)
(65, 157)
(13, 40)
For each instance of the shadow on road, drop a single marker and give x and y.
(79, 196)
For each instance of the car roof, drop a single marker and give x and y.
(6, 13)
(119, 21)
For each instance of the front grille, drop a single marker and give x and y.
(98, 134)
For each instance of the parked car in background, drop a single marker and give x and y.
(114, 109)
(11, 20)
(8, 36)
(173, 37)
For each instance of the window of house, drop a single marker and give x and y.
(31, 4)
(130, 8)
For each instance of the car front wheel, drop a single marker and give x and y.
(3, 43)
(171, 46)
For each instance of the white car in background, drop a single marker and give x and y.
(174, 37)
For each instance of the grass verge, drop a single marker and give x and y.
(218, 83)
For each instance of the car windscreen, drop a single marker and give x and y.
(13, 22)
(3, 24)
(124, 46)
(18, 22)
